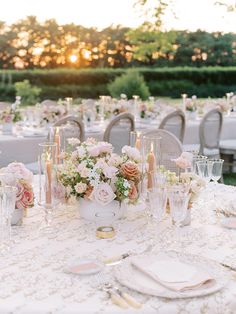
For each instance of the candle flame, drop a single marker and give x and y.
(47, 155)
(57, 130)
(152, 147)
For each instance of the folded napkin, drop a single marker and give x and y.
(173, 274)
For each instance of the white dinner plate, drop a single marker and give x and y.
(85, 266)
(134, 279)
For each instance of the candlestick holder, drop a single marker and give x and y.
(48, 183)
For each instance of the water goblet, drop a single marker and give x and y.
(216, 169)
(205, 169)
(178, 200)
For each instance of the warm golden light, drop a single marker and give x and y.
(73, 58)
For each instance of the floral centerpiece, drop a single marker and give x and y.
(53, 113)
(16, 174)
(93, 173)
(10, 115)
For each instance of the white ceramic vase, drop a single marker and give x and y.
(88, 209)
(7, 128)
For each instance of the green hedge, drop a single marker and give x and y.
(203, 82)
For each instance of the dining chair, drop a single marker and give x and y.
(49, 103)
(175, 123)
(171, 148)
(118, 130)
(73, 127)
(228, 153)
(209, 133)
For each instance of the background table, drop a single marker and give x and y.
(19, 148)
(33, 277)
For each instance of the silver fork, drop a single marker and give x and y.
(123, 297)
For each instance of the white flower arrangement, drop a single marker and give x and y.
(94, 172)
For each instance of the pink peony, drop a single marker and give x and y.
(25, 195)
(20, 171)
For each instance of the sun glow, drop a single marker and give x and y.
(73, 58)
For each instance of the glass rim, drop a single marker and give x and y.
(153, 137)
(13, 188)
(105, 214)
(47, 144)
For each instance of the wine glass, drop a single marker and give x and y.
(178, 200)
(204, 168)
(216, 169)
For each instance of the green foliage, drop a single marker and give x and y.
(90, 83)
(29, 94)
(130, 83)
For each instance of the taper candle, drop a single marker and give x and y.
(151, 166)
(48, 181)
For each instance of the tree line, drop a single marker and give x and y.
(28, 44)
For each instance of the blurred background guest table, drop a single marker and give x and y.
(23, 143)
(34, 278)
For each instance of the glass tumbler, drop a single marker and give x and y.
(7, 206)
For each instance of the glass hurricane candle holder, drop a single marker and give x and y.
(136, 139)
(48, 179)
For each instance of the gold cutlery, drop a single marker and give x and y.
(117, 296)
(117, 259)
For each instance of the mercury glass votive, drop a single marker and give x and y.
(105, 228)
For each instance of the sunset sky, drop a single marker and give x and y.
(191, 14)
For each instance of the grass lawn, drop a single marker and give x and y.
(230, 178)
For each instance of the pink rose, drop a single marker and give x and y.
(105, 148)
(25, 195)
(133, 193)
(102, 194)
(184, 161)
(130, 170)
(94, 151)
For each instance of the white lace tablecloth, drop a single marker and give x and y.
(33, 277)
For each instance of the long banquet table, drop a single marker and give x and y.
(25, 149)
(33, 277)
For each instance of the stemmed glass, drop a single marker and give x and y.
(216, 169)
(178, 200)
(204, 168)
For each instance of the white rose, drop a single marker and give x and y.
(102, 194)
(83, 170)
(110, 171)
(73, 141)
(81, 152)
(132, 152)
(80, 187)
(115, 160)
